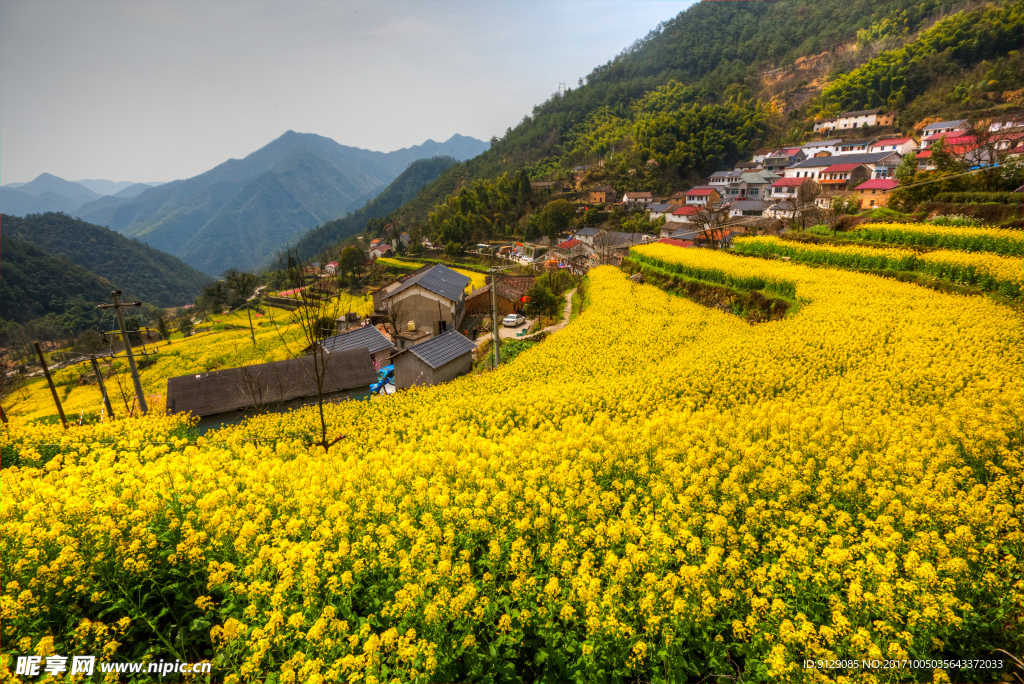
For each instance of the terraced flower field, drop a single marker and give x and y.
(223, 342)
(658, 492)
(986, 271)
(980, 239)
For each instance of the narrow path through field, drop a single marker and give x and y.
(566, 313)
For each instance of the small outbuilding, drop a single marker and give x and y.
(366, 336)
(435, 361)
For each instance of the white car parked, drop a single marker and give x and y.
(513, 320)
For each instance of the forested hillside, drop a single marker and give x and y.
(34, 284)
(152, 275)
(695, 95)
(402, 189)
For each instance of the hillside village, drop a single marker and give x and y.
(432, 311)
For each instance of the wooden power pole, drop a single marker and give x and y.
(53, 390)
(494, 316)
(103, 389)
(128, 347)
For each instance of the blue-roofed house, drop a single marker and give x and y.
(437, 360)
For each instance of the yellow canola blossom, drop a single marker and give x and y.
(652, 493)
(476, 278)
(986, 271)
(980, 239)
(209, 349)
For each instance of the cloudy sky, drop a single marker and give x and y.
(154, 91)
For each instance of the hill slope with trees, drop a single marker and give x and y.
(695, 95)
(149, 274)
(34, 284)
(402, 189)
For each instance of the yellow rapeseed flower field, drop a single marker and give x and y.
(979, 239)
(659, 492)
(477, 279)
(987, 271)
(208, 349)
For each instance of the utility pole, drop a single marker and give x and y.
(103, 389)
(53, 390)
(494, 316)
(127, 347)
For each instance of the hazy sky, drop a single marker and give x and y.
(154, 91)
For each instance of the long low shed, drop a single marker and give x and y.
(266, 384)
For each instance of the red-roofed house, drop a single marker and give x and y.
(874, 192)
(331, 268)
(840, 176)
(568, 244)
(676, 243)
(786, 188)
(924, 160)
(703, 197)
(380, 250)
(930, 140)
(901, 145)
(683, 214)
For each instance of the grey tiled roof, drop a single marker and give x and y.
(587, 232)
(858, 141)
(367, 336)
(206, 394)
(866, 158)
(439, 280)
(749, 205)
(442, 349)
(686, 233)
(859, 112)
(944, 124)
(656, 207)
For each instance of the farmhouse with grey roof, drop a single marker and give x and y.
(433, 300)
(438, 360)
(365, 336)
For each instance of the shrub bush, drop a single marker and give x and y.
(980, 197)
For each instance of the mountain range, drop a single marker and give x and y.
(242, 212)
(52, 193)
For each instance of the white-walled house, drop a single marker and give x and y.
(943, 127)
(855, 146)
(819, 146)
(900, 145)
(825, 125)
(786, 188)
(703, 196)
(634, 199)
(932, 138)
(682, 214)
(783, 210)
(864, 117)
(747, 208)
(882, 164)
